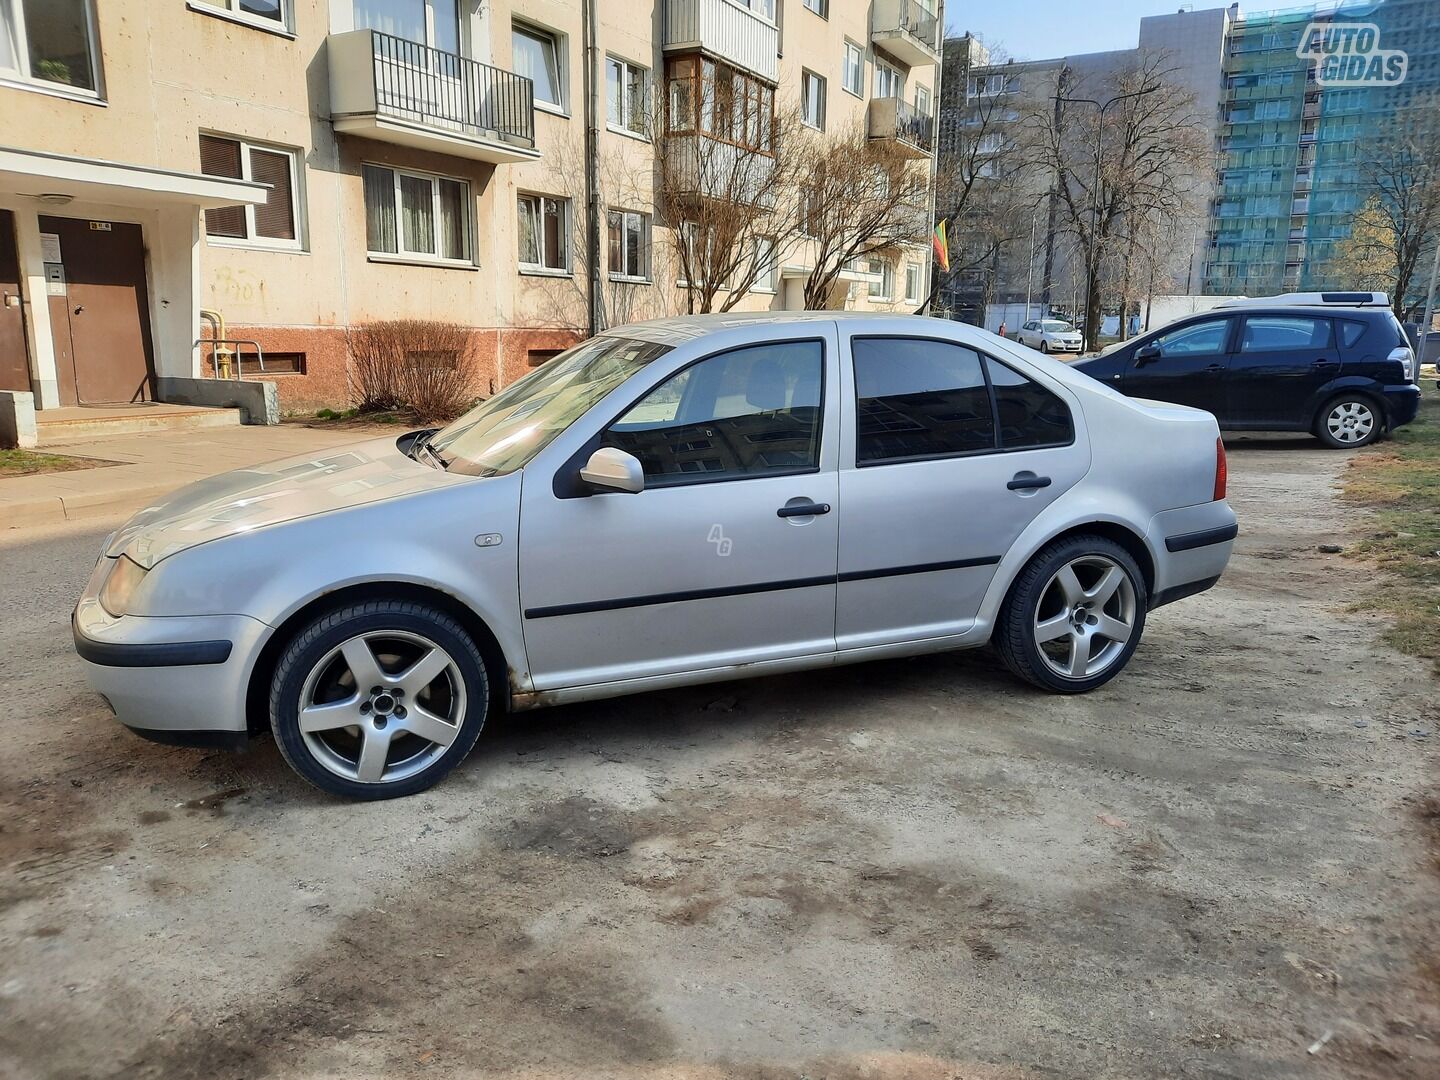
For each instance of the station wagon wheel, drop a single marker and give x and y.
(1074, 615)
(1348, 422)
(378, 699)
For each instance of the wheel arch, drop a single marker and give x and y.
(257, 695)
(1342, 388)
(1128, 538)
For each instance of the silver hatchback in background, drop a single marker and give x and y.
(1050, 335)
(674, 502)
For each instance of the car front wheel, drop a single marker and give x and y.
(1347, 422)
(378, 699)
(1074, 615)
(1044, 345)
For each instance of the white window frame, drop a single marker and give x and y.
(763, 8)
(403, 254)
(852, 49)
(690, 228)
(620, 275)
(819, 7)
(913, 296)
(230, 9)
(626, 66)
(22, 77)
(540, 269)
(922, 99)
(252, 239)
(887, 72)
(557, 42)
(807, 79)
(882, 289)
(766, 281)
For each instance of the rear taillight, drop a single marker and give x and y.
(1405, 356)
(1222, 471)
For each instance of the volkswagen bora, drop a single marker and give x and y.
(674, 502)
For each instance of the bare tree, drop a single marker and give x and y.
(858, 197)
(1133, 148)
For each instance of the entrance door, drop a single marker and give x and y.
(99, 309)
(14, 364)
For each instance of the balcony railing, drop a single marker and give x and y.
(907, 29)
(892, 118)
(725, 29)
(388, 88)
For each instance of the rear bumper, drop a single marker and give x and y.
(1402, 403)
(1192, 547)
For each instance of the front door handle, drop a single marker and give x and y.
(1323, 362)
(1028, 482)
(805, 509)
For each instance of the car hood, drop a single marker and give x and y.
(269, 494)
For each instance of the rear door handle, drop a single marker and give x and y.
(1028, 482)
(1323, 362)
(805, 509)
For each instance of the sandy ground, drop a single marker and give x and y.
(915, 869)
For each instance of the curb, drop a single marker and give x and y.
(54, 509)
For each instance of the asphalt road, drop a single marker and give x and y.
(913, 869)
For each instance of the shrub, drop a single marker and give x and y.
(418, 365)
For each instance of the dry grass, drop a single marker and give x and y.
(29, 462)
(1400, 479)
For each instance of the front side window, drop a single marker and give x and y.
(536, 55)
(1197, 339)
(416, 215)
(749, 412)
(504, 432)
(625, 90)
(853, 72)
(629, 245)
(273, 223)
(812, 100)
(1279, 333)
(544, 233)
(50, 42)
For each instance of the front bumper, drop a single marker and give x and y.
(174, 679)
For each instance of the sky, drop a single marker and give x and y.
(1040, 29)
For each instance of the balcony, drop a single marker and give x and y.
(699, 167)
(726, 30)
(911, 130)
(397, 91)
(907, 30)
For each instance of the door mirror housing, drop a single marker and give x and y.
(610, 469)
(1147, 354)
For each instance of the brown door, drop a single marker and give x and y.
(99, 310)
(14, 362)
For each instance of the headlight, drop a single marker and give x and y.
(125, 577)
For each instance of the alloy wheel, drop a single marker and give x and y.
(1086, 614)
(382, 706)
(1350, 422)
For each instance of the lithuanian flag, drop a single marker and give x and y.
(942, 248)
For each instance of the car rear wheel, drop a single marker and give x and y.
(378, 699)
(1349, 421)
(1074, 615)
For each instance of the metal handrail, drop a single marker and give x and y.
(914, 126)
(214, 362)
(429, 85)
(919, 21)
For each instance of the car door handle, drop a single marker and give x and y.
(1028, 482)
(1323, 362)
(1215, 367)
(805, 509)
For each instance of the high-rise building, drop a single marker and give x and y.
(298, 167)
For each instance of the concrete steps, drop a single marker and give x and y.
(60, 427)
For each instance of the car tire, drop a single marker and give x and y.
(1349, 421)
(1044, 345)
(1096, 611)
(378, 699)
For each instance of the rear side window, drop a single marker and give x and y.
(749, 412)
(918, 399)
(1277, 333)
(1351, 332)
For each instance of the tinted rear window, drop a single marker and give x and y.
(1351, 331)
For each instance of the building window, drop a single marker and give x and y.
(272, 14)
(889, 82)
(544, 234)
(276, 363)
(882, 279)
(812, 100)
(50, 43)
(696, 253)
(765, 8)
(537, 357)
(435, 23)
(721, 102)
(536, 55)
(416, 215)
(819, 7)
(912, 282)
(852, 76)
(922, 100)
(629, 245)
(274, 223)
(767, 265)
(625, 87)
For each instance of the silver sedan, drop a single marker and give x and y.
(675, 502)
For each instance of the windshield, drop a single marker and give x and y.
(504, 432)
(1055, 326)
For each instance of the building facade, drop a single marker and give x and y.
(273, 172)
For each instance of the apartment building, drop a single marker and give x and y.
(273, 172)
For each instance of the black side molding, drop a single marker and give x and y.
(202, 740)
(159, 654)
(1189, 541)
(1180, 592)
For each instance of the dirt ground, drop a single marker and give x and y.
(914, 869)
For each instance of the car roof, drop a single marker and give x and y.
(681, 328)
(1334, 311)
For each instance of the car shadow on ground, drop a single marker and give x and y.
(1260, 441)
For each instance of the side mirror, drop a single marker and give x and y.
(614, 470)
(1147, 354)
